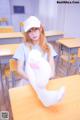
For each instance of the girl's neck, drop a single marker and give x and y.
(35, 42)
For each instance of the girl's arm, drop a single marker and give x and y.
(20, 70)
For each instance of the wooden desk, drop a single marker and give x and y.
(8, 49)
(11, 38)
(70, 42)
(69, 50)
(53, 35)
(6, 52)
(16, 37)
(6, 29)
(26, 105)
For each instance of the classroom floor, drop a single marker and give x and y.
(60, 72)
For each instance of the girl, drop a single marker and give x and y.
(35, 56)
(34, 38)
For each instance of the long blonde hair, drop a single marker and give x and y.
(42, 42)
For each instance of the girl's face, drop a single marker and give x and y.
(34, 34)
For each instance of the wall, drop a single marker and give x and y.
(5, 10)
(48, 13)
(30, 9)
(72, 21)
(68, 19)
(58, 17)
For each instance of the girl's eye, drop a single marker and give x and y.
(29, 31)
(36, 29)
(33, 29)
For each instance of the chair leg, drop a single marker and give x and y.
(13, 79)
(7, 81)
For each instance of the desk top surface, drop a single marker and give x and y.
(11, 35)
(8, 49)
(53, 33)
(26, 105)
(6, 29)
(70, 42)
(20, 35)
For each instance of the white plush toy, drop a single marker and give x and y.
(39, 71)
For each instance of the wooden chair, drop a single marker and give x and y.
(13, 68)
(21, 24)
(12, 73)
(5, 20)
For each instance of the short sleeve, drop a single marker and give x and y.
(19, 54)
(53, 52)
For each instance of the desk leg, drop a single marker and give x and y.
(2, 92)
(77, 64)
(69, 64)
(58, 59)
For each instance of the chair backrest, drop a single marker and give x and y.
(13, 65)
(3, 21)
(21, 24)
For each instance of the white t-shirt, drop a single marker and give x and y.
(23, 50)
